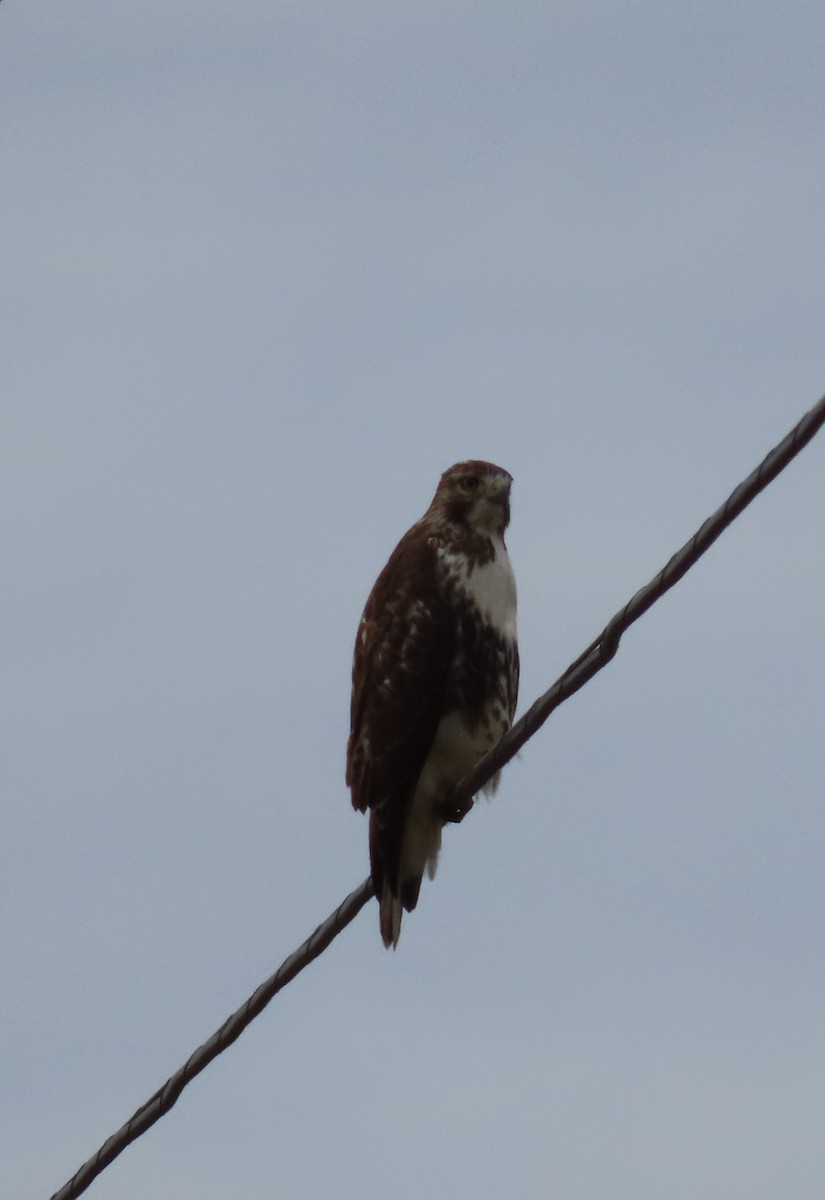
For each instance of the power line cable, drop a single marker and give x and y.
(597, 655)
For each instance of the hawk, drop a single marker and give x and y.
(434, 678)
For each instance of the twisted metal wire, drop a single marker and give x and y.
(597, 655)
(231, 1029)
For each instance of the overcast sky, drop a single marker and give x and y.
(266, 269)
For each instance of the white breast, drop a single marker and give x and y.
(491, 586)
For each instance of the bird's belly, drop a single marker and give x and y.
(457, 747)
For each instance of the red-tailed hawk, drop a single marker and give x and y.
(434, 678)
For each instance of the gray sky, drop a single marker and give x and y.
(267, 270)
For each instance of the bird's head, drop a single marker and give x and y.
(475, 495)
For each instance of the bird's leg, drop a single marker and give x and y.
(452, 813)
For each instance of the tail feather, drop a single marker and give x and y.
(392, 908)
(390, 918)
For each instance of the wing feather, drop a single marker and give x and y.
(405, 644)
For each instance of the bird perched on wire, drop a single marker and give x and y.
(434, 678)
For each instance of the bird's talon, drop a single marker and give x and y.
(452, 814)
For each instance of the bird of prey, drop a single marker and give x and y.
(434, 678)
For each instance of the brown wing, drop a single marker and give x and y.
(405, 644)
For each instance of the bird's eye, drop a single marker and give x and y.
(470, 483)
